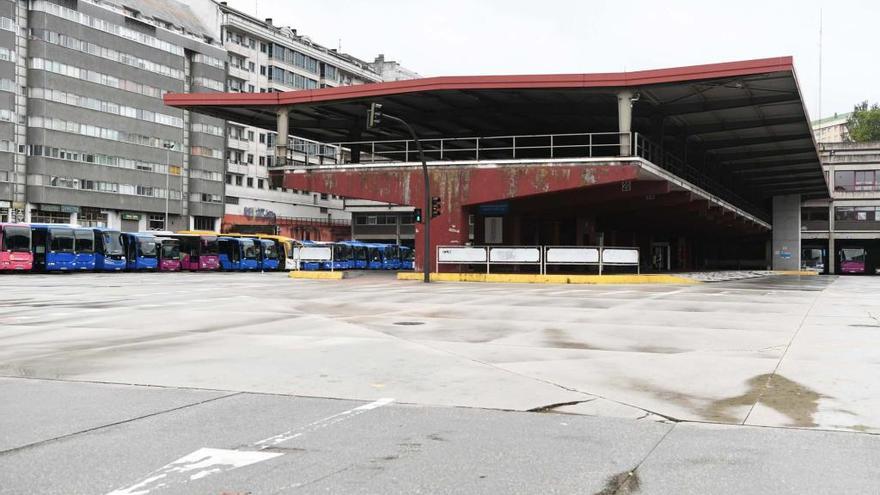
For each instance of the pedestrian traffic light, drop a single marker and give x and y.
(374, 115)
(417, 215)
(435, 206)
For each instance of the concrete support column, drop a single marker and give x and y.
(832, 249)
(786, 253)
(283, 117)
(624, 121)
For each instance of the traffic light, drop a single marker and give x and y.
(374, 116)
(417, 215)
(435, 206)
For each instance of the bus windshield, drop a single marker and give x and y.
(210, 247)
(17, 239)
(85, 242)
(147, 247)
(170, 251)
(112, 243)
(250, 251)
(271, 251)
(62, 241)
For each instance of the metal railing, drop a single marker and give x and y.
(512, 147)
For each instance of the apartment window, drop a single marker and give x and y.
(251, 88)
(229, 179)
(263, 47)
(856, 180)
(260, 183)
(322, 210)
(231, 200)
(250, 135)
(250, 182)
(857, 213)
(156, 222)
(237, 180)
(250, 159)
(40, 216)
(91, 217)
(251, 67)
(360, 220)
(323, 195)
(816, 214)
(262, 161)
(203, 223)
(407, 219)
(262, 138)
(262, 70)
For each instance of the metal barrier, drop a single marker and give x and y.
(542, 256)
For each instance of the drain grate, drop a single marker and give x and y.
(409, 323)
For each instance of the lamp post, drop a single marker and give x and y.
(374, 118)
(168, 147)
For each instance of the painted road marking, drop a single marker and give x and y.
(207, 461)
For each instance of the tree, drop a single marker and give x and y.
(864, 123)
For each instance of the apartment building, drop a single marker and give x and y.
(842, 234)
(265, 57)
(84, 134)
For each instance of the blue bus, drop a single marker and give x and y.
(406, 258)
(109, 250)
(238, 253)
(310, 265)
(84, 249)
(141, 251)
(357, 259)
(53, 247)
(390, 257)
(268, 255)
(341, 257)
(375, 256)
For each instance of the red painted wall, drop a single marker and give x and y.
(458, 186)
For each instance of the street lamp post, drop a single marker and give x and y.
(168, 147)
(374, 118)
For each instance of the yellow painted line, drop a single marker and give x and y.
(795, 272)
(520, 278)
(303, 274)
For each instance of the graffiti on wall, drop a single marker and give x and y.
(259, 213)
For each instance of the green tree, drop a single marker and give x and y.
(864, 123)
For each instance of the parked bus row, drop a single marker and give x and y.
(69, 248)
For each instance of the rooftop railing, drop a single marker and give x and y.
(533, 146)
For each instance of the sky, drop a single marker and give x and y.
(470, 37)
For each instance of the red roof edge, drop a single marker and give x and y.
(562, 81)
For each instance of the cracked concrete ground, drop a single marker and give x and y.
(772, 351)
(650, 364)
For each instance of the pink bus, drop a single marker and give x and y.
(169, 254)
(852, 260)
(198, 251)
(15, 247)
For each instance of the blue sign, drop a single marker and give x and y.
(494, 209)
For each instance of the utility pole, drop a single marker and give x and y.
(374, 119)
(168, 147)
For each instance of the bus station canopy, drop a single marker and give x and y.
(746, 119)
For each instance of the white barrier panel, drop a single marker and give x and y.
(463, 254)
(315, 253)
(515, 255)
(562, 256)
(620, 256)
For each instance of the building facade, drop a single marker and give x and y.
(84, 134)
(832, 129)
(264, 57)
(842, 234)
(390, 70)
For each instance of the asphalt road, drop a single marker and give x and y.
(82, 438)
(249, 383)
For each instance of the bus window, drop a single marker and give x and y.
(271, 252)
(112, 243)
(250, 251)
(147, 247)
(17, 239)
(62, 242)
(85, 242)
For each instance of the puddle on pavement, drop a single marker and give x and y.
(797, 402)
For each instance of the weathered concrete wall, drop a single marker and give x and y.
(786, 253)
(458, 186)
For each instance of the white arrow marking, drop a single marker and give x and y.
(207, 461)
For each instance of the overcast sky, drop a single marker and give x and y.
(459, 37)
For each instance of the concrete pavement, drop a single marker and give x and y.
(218, 359)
